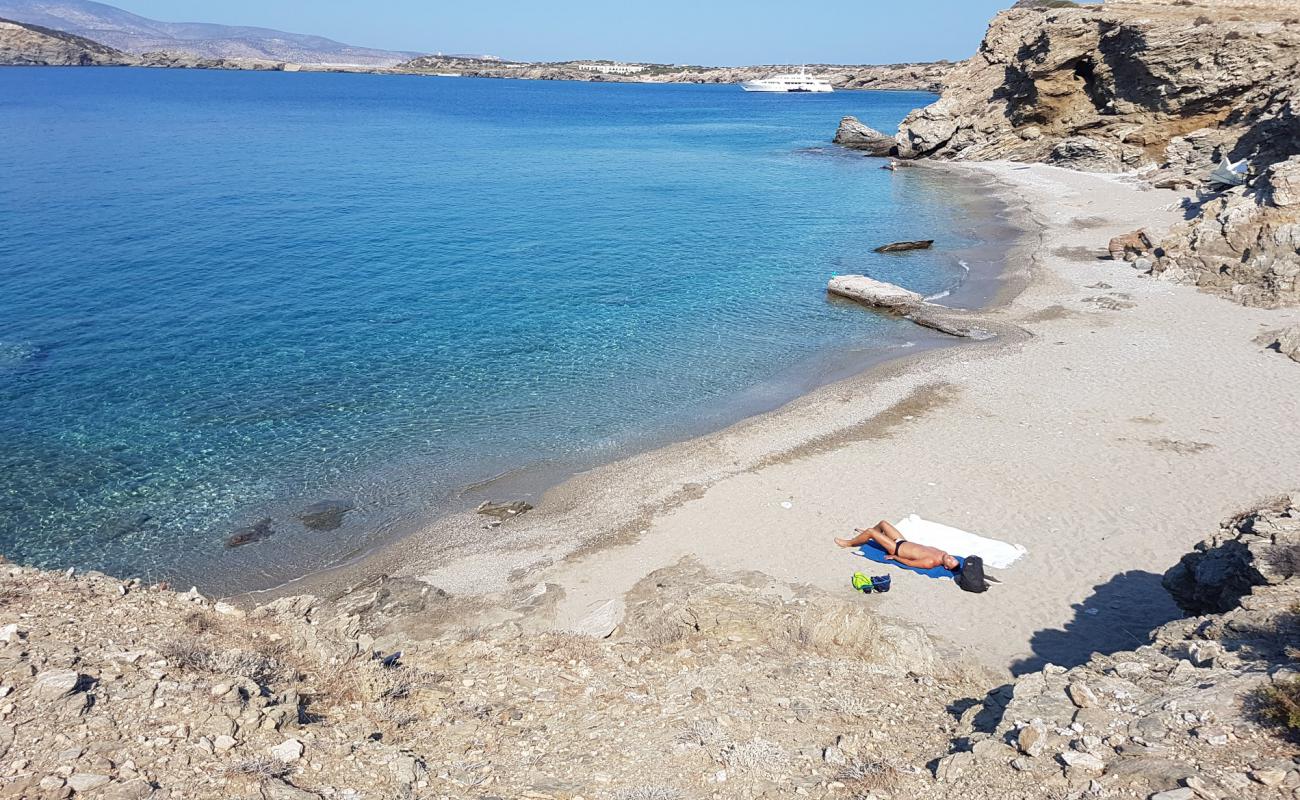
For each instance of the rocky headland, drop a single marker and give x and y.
(32, 45)
(914, 77)
(1164, 91)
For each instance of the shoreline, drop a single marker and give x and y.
(558, 489)
(1064, 439)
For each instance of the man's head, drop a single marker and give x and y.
(951, 563)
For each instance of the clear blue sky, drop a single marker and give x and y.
(711, 32)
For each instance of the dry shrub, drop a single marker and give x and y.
(758, 755)
(863, 777)
(259, 666)
(258, 768)
(1279, 703)
(648, 793)
(198, 622)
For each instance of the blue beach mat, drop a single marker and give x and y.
(874, 552)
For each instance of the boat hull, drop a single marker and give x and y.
(762, 86)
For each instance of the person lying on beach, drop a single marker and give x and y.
(909, 554)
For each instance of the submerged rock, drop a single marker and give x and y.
(855, 135)
(899, 247)
(256, 532)
(327, 515)
(503, 510)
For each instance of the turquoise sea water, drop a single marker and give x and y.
(225, 296)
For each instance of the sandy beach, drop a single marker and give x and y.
(1110, 426)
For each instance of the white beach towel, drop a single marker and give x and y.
(996, 554)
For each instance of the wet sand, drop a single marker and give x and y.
(1107, 429)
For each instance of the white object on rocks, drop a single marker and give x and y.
(1181, 793)
(10, 633)
(872, 292)
(288, 751)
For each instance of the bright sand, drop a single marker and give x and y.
(1109, 437)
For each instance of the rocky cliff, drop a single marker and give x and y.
(729, 686)
(1165, 90)
(32, 45)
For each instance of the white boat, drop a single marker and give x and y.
(789, 82)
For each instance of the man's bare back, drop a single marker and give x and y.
(898, 549)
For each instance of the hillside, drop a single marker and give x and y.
(916, 77)
(32, 45)
(135, 34)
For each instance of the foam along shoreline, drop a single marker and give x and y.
(1101, 432)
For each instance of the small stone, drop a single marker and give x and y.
(1202, 654)
(1268, 777)
(1032, 739)
(1214, 736)
(951, 767)
(85, 782)
(219, 689)
(993, 751)
(288, 751)
(1201, 787)
(834, 755)
(1181, 793)
(1083, 761)
(56, 683)
(10, 633)
(1081, 695)
(224, 744)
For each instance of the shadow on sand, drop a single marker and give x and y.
(1119, 615)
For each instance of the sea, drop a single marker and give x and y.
(227, 296)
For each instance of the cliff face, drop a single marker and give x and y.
(1163, 89)
(32, 45)
(1114, 87)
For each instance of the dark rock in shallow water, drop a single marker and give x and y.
(327, 515)
(504, 511)
(253, 533)
(898, 247)
(857, 136)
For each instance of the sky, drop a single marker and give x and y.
(707, 32)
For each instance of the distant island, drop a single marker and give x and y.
(84, 33)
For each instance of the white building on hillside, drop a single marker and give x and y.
(612, 69)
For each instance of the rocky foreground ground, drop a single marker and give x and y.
(714, 686)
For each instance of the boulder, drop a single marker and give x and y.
(874, 293)
(855, 135)
(601, 621)
(900, 247)
(1288, 342)
(1129, 246)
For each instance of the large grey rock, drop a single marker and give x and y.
(872, 292)
(56, 684)
(855, 135)
(1255, 549)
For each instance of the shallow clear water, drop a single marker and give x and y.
(225, 296)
